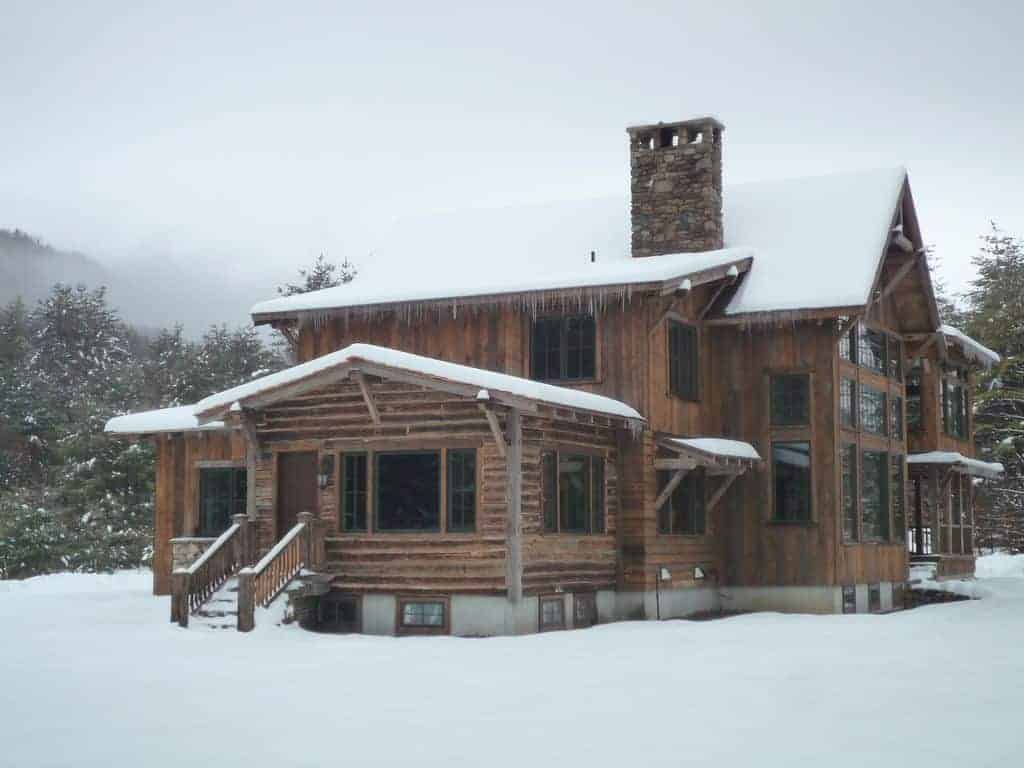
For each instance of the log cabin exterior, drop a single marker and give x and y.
(719, 427)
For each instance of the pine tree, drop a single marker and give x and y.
(323, 274)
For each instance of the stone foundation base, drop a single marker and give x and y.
(185, 550)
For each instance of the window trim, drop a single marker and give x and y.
(403, 630)
(675, 321)
(564, 318)
(575, 451)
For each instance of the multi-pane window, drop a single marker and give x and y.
(898, 502)
(896, 417)
(954, 408)
(848, 459)
(563, 348)
(552, 613)
(895, 358)
(682, 360)
(873, 416)
(849, 599)
(914, 423)
(222, 493)
(848, 345)
(461, 490)
(874, 598)
(683, 511)
(875, 495)
(871, 349)
(848, 403)
(791, 479)
(353, 492)
(422, 616)
(408, 486)
(572, 492)
(790, 400)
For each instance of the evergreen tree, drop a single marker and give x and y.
(323, 274)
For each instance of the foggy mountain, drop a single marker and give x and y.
(150, 286)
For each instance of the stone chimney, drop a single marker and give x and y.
(676, 186)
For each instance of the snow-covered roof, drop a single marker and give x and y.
(952, 458)
(717, 446)
(179, 419)
(374, 359)
(816, 243)
(972, 349)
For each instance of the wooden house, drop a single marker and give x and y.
(719, 416)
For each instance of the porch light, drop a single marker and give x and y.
(665, 574)
(326, 470)
(698, 572)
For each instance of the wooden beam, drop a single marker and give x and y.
(514, 522)
(364, 388)
(499, 437)
(716, 497)
(714, 297)
(673, 483)
(901, 273)
(846, 326)
(678, 463)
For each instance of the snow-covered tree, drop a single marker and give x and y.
(323, 274)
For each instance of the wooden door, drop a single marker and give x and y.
(296, 488)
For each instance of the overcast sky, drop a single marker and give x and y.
(251, 137)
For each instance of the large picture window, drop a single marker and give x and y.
(875, 495)
(791, 477)
(682, 360)
(222, 493)
(873, 415)
(572, 492)
(408, 488)
(683, 511)
(563, 348)
(791, 400)
(848, 457)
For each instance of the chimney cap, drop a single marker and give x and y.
(700, 121)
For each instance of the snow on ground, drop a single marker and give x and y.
(93, 674)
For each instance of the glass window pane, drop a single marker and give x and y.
(895, 358)
(896, 417)
(790, 400)
(871, 347)
(683, 360)
(597, 493)
(896, 486)
(914, 399)
(218, 498)
(848, 403)
(574, 492)
(462, 490)
(848, 457)
(408, 491)
(873, 417)
(564, 347)
(791, 468)
(875, 495)
(549, 490)
(353, 489)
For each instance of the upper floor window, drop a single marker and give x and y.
(791, 478)
(683, 511)
(914, 422)
(572, 492)
(871, 349)
(563, 348)
(791, 400)
(954, 409)
(873, 416)
(848, 403)
(682, 360)
(896, 417)
(222, 493)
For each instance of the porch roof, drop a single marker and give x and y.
(181, 418)
(718, 453)
(958, 462)
(486, 386)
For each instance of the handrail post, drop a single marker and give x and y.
(246, 600)
(243, 540)
(306, 519)
(179, 597)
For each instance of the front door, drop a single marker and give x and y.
(296, 488)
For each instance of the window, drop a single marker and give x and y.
(875, 495)
(954, 409)
(874, 598)
(914, 422)
(790, 400)
(461, 490)
(682, 360)
(338, 613)
(563, 348)
(353, 492)
(683, 511)
(896, 417)
(572, 492)
(408, 491)
(848, 403)
(898, 596)
(584, 610)
(848, 346)
(791, 470)
(871, 349)
(552, 613)
(423, 616)
(873, 416)
(898, 502)
(849, 599)
(848, 459)
(222, 493)
(895, 358)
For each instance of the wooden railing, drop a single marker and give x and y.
(263, 582)
(193, 586)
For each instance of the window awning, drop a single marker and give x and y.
(958, 462)
(718, 455)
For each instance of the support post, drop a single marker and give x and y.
(243, 541)
(246, 600)
(252, 447)
(179, 597)
(514, 524)
(307, 521)
(499, 438)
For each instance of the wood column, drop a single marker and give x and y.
(252, 449)
(514, 527)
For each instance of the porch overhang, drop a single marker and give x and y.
(956, 462)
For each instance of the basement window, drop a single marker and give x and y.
(339, 613)
(875, 598)
(408, 491)
(572, 492)
(423, 617)
(552, 613)
(222, 493)
(849, 599)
